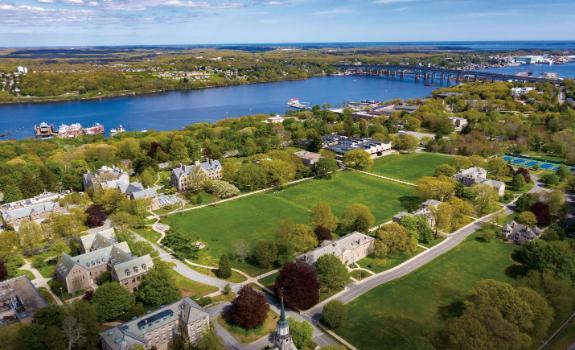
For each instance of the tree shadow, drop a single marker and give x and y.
(410, 203)
(452, 310)
(516, 271)
(401, 333)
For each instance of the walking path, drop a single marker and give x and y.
(386, 178)
(40, 281)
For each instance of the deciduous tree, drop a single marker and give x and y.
(298, 283)
(249, 309)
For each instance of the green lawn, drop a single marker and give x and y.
(270, 280)
(380, 265)
(189, 288)
(148, 233)
(256, 217)
(412, 307)
(409, 167)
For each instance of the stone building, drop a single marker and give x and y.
(18, 300)
(157, 329)
(520, 234)
(106, 178)
(349, 249)
(185, 177)
(36, 209)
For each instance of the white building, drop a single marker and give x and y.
(277, 119)
(458, 123)
(22, 70)
(308, 158)
(521, 91)
(340, 145)
(476, 176)
(106, 178)
(349, 249)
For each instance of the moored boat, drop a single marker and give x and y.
(44, 131)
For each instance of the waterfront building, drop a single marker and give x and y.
(19, 299)
(349, 249)
(157, 329)
(186, 176)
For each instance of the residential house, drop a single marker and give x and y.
(476, 176)
(106, 178)
(520, 234)
(184, 176)
(308, 158)
(18, 300)
(36, 209)
(157, 329)
(349, 249)
(424, 210)
(102, 253)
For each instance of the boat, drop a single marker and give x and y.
(96, 129)
(71, 131)
(115, 131)
(295, 103)
(44, 131)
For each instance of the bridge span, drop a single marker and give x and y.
(430, 74)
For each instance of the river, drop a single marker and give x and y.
(176, 109)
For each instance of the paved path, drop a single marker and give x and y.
(386, 178)
(184, 269)
(40, 281)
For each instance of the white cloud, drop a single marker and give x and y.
(336, 11)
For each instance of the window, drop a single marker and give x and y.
(143, 266)
(127, 272)
(136, 269)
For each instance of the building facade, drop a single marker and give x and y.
(34, 209)
(340, 145)
(157, 329)
(476, 176)
(349, 249)
(520, 234)
(106, 178)
(185, 177)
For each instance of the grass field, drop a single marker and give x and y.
(413, 306)
(409, 167)
(189, 288)
(248, 336)
(256, 217)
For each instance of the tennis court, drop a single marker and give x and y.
(530, 163)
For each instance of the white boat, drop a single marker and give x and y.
(295, 103)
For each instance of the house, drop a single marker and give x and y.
(476, 176)
(184, 176)
(499, 186)
(308, 158)
(157, 329)
(424, 210)
(18, 300)
(36, 209)
(521, 234)
(277, 119)
(458, 123)
(521, 91)
(106, 178)
(471, 176)
(102, 253)
(340, 145)
(349, 249)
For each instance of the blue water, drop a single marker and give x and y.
(566, 70)
(174, 110)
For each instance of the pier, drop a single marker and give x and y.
(433, 74)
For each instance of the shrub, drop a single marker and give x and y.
(221, 188)
(334, 314)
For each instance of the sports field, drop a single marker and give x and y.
(256, 217)
(409, 167)
(412, 307)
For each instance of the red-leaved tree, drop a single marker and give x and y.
(525, 174)
(3, 271)
(299, 285)
(542, 213)
(322, 233)
(249, 309)
(96, 216)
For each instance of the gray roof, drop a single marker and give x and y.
(133, 332)
(98, 239)
(120, 268)
(114, 253)
(339, 246)
(209, 166)
(147, 193)
(494, 183)
(27, 294)
(20, 213)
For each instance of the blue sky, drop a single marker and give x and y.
(123, 22)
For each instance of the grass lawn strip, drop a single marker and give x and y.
(413, 306)
(409, 167)
(248, 336)
(189, 288)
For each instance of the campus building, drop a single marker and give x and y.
(18, 300)
(185, 176)
(340, 145)
(34, 209)
(282, 337)
(424, 210)
(102, 253)
(308, 158)
(157, 329)
(349, 249)
(106, 178)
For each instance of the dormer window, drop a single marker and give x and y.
(127, 272)
(135, 269)
(143, 266)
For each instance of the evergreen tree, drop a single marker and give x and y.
(224, 269)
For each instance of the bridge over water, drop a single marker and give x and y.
(441, 74)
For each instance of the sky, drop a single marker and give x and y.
(170, 22)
